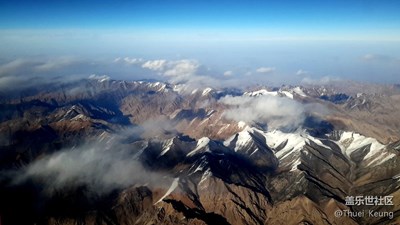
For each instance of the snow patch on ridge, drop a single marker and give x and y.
(351, 141)
(288, 94)
(298, 91)
(261, 92)
(207, 174)
(243, 138)
(241, 124)
(295, 142)
(166, 146)
(201, 143)
(381, 158)
(173, 186)
(206, 91)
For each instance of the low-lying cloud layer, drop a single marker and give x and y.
(25, 73)
(20, 74)
(276, 112)
(196, 75)
(102, 167)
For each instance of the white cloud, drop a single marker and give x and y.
(265, 70)
(183, 71)
(377, 57)
(21, 73)
(228, 73)
(17, 67)
(13, 82)
(301, 72)
(22, 67)
(275, 111)
(54, 64)
(182, 68)
(99, 77)
(128, 60)
(157, 65)
(103, 167)
(177, 68)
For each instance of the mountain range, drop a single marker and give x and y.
(102, 151)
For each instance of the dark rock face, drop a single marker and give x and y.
(336, 98)
(210, 170)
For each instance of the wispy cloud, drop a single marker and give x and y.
(228, 73)
(109, 164)
(182, 68)
(265, 70)
(301, 72)
(157, 65)
(102, 167)
(185, 71)
(179, 68)
(32, 73)
(99, 77)
(378, 57)
(128, 60)
(275, 111)
(20, 74)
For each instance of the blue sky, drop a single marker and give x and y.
(324, 38)
(358, 17)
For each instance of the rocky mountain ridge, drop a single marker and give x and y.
(215, 170)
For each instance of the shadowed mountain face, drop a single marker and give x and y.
(116, 152)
